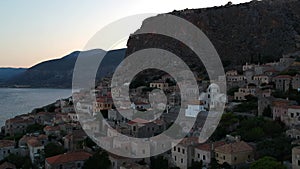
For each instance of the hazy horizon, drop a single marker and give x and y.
(36, 31)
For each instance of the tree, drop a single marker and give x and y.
(196, 165)
(214, 164)
(20, 162)
(159, 162)
(98, 160)
(34, 128)
(53, 149)
(89, 142)
(279, 148)
(267, 163)
(232, 90)
(267, 111)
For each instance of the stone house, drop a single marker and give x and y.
(282, 82)
(296, 82)
(293, 116)
(243, 92)
(35, 147)
(7, 147)
(17, 125)
(236, 154)
(205, 152)
(160, 85)
(296, 157)
(183, 153)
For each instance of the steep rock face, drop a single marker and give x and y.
(259, 31)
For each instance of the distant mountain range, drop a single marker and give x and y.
(58, 73)
(8, 73)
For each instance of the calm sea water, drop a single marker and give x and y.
(15, 101)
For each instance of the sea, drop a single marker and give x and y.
(17, 101)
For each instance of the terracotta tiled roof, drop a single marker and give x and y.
(34, 142)
(294, 107)
(189, 141)
(138, 120)
(6, 143)
(68, 157)
(20, 120)
(284, 76)
(51, 128)
(7, 165)
(208, 146)
(234, 147)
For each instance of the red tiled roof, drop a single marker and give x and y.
(284, 76)
(234, 147)
(34, 142)
(7, 165)
(141, 103)
(294, 107)
(6, 143)
(68, 157)
(138, 120)
(19, 120)
(51, 128)
(189, 141)
(208, 146)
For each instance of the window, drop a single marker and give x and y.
(174, 148)
(175, 158)
(203, 157)
(236, 158)
(178, 149)
(183, 151)
(298, 162)
(78, 165)
(144, 152)
(223, 157)
(292, 115)
(181, 160)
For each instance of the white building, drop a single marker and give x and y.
(194, 108)
(212, 98)
(6, 147)
(35, 149)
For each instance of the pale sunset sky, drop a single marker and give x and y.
(33, 30)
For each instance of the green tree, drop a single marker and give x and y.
(267, 163)
(53, 149)
(98, 160)
(267, 111)
(196, 165)
(159, 162)
(20, 162)
(232, 90)
(34, 128)
(278, 147)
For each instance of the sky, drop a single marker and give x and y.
(33, 31)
